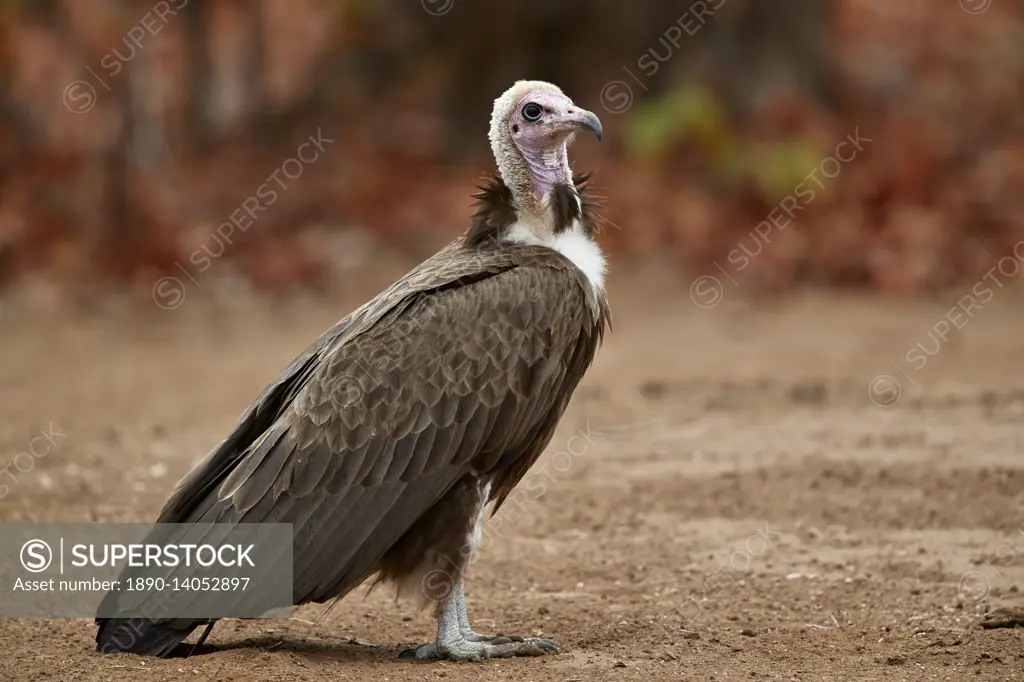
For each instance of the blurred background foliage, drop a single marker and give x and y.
(131, 129)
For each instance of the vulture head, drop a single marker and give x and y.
(532, 125)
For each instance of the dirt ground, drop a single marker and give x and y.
(724, 500)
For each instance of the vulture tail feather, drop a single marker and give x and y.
(139, 636)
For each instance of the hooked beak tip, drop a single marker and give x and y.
(594, 123)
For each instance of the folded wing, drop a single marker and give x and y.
(367, 430)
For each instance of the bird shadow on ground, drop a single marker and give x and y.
(345, 650)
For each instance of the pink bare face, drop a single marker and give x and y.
(541, 125)
(544, 119)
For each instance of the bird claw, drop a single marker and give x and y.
(473, 647)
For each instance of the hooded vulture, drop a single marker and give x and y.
(386, 440)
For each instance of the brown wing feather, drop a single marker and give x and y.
(468, 375)
(448, 267)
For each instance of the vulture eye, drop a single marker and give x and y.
(531, 112)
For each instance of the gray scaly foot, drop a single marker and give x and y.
(456, 642)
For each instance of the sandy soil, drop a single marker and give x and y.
(742, 508)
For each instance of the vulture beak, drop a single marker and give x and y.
(578, 118)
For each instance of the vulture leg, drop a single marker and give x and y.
(456, 642)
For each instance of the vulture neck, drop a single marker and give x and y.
(549, 212)
(531, 174)
(546, 169)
